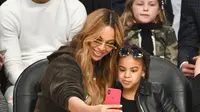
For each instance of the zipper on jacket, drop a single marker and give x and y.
(140, 103)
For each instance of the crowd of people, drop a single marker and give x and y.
(93, 45)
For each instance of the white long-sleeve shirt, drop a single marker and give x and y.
(176, 5)
(30, 31)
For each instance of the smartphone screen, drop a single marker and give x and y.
(113, 96)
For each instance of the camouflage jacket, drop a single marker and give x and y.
(164, 42)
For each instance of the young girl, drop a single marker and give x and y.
(139, 95)
(144, 23)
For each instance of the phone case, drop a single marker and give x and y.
(113, 96)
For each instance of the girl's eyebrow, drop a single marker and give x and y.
(134, 67)
(152, 1)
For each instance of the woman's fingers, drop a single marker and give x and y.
(113, 106)
(114, 110)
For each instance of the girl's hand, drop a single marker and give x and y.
(107, 108)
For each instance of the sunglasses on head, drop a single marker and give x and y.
(126, 51)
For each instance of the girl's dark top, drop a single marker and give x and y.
(128, 105)
(146, 33)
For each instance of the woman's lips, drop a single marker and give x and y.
(98, 53)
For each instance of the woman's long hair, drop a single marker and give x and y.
(105, 69)
(128, 19)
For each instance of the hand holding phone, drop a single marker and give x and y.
(113, 96)
(190, 60)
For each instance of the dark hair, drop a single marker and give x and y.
(137, 53)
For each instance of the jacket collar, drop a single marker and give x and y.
(144, 88)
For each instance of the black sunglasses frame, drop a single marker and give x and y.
(126, 51)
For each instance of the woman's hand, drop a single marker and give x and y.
(77, 105)
(107, 108)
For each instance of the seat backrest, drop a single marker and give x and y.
(176, 84)
(27, 87)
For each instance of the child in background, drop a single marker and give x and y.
(138, 94)
(146, 26)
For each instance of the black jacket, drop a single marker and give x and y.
(62, 80)
(151, 97)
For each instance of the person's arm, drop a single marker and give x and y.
(67, 82)
(188, 37)
(9, 35)
(171, 50)
(77, 16)
(66, 88)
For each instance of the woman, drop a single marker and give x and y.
(138, 94)
(78, 75)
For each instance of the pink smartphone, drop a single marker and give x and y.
(113, 96)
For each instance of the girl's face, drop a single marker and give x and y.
(103, 45)
(130, 71)
(145, 11)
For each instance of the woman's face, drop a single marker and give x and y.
(130, 72)
(103, 45)
(145, 11)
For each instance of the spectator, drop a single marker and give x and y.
(144, 23)
(77, 76)
(133, 66)
(30, 30)
(189, 36)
